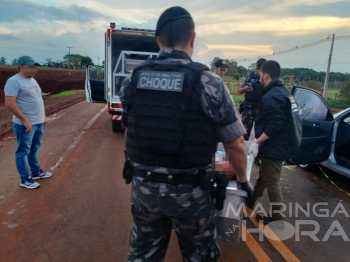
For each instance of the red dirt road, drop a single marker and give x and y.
(83, 212)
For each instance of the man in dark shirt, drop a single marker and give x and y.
(274, 138)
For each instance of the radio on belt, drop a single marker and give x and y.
(228, 221)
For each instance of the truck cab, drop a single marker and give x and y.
(125, 49)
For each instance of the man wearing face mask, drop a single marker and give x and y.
(23, 98)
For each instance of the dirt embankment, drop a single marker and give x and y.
(50, 80)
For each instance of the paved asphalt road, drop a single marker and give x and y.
(83, 213)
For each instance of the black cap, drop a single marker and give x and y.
(170, 15)
(221, 63)
(260, 62)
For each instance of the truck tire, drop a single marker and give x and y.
(116, 126)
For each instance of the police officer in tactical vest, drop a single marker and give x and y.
(175, 112)
(251, 88)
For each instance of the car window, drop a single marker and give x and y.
(97, 73)
(311, 106)
(347, 120)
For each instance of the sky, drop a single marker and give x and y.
(242, 30)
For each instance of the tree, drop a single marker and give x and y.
(212, 63)
(236, 76)
(242, 70)
(103, 63)
(85, 61)
(233, 67)
(345, 92)
(48, 60)
(74, 59)
(3, 61)
(251, 67)
(14, 61)
(313, 84)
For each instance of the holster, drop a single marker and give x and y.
(251, 105)
(241, 106)
(218, 189)
(128, 171)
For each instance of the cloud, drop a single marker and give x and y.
(337, 9)
(40, 45)
(226, 29)
(15, 10)
(150, 24)
(7, 37)
(203, 53)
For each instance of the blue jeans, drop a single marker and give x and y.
(27, 149)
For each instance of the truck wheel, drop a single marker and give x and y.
(116, 126)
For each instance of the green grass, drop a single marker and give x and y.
(333, 99)
(237, 99)
(68, 93)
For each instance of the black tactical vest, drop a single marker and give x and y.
(167, 126)
(255, 95)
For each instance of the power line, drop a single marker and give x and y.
(342, 37)
(297, 48)
(288, 50)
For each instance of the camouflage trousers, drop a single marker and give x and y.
(158, 208)
(248, 118)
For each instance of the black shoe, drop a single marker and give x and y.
(257, 161)
(250, 202)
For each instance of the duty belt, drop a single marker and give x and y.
(175, 179)
(251, 105)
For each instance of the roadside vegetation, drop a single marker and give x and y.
(68, 93)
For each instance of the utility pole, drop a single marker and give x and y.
(325, 87)
(69, 47)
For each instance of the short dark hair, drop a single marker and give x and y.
(177, 33)
(260, 62)
(272, 68)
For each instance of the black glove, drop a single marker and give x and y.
(247, 187)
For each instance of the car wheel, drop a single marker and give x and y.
(307, 167)
(116, 126)
(289, 161)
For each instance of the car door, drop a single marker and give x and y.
(95, 84)
(317, 126)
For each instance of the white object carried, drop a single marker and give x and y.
(228, 221)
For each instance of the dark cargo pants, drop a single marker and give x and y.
(248, 118)
(158, 208)
(269, 178)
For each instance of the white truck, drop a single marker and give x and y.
(124, 50)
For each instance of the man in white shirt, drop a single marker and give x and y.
(23, 97)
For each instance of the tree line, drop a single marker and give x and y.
(299, 74)
(73, 60)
